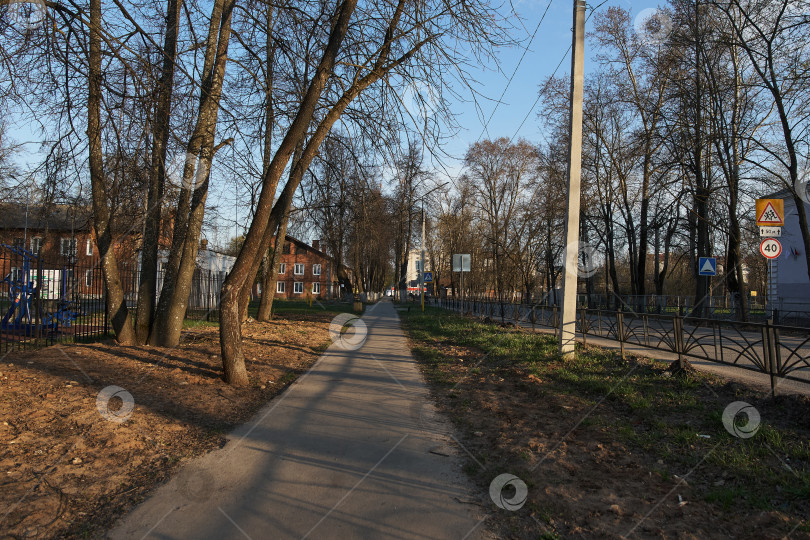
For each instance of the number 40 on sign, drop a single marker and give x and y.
(770, 248)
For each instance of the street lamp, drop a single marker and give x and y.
(422, 270)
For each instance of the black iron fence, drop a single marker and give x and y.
(43, 302)
(779, 351)
(715, 307)
(62, 300)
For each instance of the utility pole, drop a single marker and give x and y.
(567, 331)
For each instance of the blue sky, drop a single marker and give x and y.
(542, 58)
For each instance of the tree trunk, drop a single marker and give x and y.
(230, 328)
(268, 216)
(116, 302)
(641, 263)
(272, 257)
(183, 258)
(278, 224)
(147, 287)
(270, 277)
(701, 195)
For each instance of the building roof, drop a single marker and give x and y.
(786, 195)
(293, 240)
(54, 217)
(781, 194)
(323, 254)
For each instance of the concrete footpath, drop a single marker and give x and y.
(353, 449)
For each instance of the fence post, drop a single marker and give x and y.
(646, 329)
(772, 347)
(583, 328)
(677, 323)
(620, 331)
(39, 298)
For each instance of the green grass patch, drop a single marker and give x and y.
(283, 307)
(189, 324)
(671, 420)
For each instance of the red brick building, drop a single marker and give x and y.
(61, 236)
(306, 271)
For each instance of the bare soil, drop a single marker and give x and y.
(68, 471)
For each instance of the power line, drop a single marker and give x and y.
(536, 101)
(509, 82)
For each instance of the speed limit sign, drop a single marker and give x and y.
(770, 248)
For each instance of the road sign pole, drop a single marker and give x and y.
(770, 289)
(711, 298)
(462, 287)
(422, 270)
(567, 332)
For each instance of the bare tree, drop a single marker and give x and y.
(379, 45)
(774, 35)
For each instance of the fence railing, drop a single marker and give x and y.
(779, 351)
(43, 302)
(714, 307)
(62, 300)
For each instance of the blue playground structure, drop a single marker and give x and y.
(23, 289)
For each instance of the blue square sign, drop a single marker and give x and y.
(428, 277)
(707, 266)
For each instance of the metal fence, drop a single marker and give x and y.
(714, 307)
(779, 351)
(43, 302)
(62, 300)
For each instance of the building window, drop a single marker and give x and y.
(299, 269)
(36, 245)
(16, 274)
(282, 268)
(285, 249)
(316, 269)
(68, 246)
(19, 243)
(280, 287)
(259, 288)
(316, 288)
(298, 287)
(89, 248)
(88, 278)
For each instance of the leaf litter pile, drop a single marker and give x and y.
(66, 470)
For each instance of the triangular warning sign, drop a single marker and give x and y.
(769, 216)
(708, 267)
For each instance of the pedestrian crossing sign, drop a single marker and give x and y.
(770, 212)
(707, 266)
